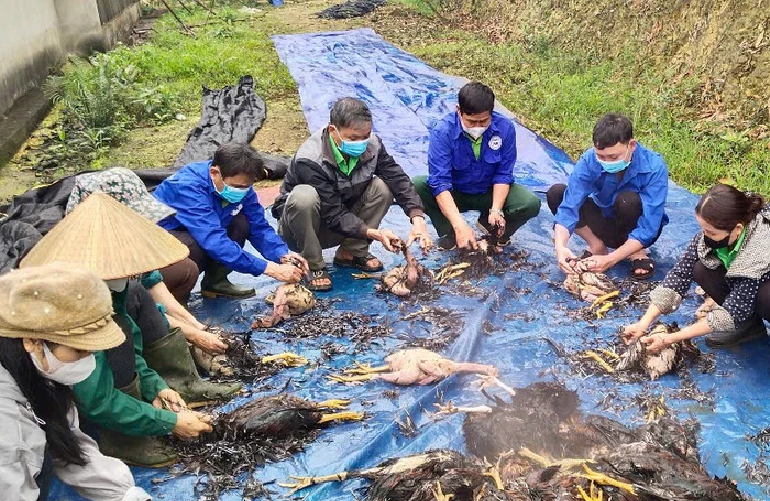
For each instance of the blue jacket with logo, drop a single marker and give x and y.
(205, 215)
(453, 166)
(647, 175)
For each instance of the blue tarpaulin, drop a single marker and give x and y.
(407, 96)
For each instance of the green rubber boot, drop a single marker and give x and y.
(170, 358)
(215, 284)
(149, 452)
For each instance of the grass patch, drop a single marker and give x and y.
(561, 94)
(130, 94)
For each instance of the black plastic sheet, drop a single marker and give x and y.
(230, 114)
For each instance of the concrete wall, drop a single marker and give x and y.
(36, 36)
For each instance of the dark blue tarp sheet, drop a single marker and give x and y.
(406, 97)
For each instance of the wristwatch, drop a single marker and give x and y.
(499, 212)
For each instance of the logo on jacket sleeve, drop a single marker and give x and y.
(495, 143)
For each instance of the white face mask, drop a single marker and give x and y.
(69, 373)
(474, 132)
(117, 285)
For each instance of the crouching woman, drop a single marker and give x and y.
(729, 259)
(51, 320)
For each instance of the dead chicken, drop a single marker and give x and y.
(546, 449)
(440, 475)
(589, 286)
(413, 366)
(402, 280)
(281, 416)
(288, 300)
(637, 358)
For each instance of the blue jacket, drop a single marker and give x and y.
(647, 175)
(206, 216)
(453, 166)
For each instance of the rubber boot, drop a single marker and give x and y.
(170, 358)
(749, 330)
(215, 284)
(149, 452)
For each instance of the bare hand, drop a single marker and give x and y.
(656, 342)
(297, 260)
(170, 399)
(566, 259)
(190, 424)
(389, 240)
(497, 220)
(598, 264)
(419, 232)
(633, 332)
(208, 342)
(287, 273)
(465, 237)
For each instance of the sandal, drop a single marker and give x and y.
(318, 275)
(642, 264)
(359, 263)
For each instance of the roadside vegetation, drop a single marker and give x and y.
(134, 105)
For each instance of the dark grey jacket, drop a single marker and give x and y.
(314, 165)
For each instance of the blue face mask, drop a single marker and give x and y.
(614, 167)
(353, 148)
(233, 195)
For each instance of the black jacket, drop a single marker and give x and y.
(314, 165)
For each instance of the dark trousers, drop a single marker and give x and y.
(715, 285)
(142, 309)
(180, 278)
(520, 206)
(612, 231)
(237, 231)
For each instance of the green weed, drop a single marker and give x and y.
(562, 93)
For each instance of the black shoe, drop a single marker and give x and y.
(447, 243)
(750, 330)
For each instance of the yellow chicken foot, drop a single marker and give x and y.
(610, 353)
(601, 312)
(606, 297)
(334, 404)
(439, 495)
(602, 479)
(593, 496)
(342, 416)
(599, 360)
(565, 463)
(495, 476)
(366, 369)
(305, 482)
(351, 379)
(287, 358)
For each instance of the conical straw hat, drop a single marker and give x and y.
(106, 236)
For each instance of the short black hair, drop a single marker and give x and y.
(475, 97)
(349, 112)
(611, 129)
(239, 158)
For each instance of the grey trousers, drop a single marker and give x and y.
(302, 229)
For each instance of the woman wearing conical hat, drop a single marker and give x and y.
(48, 336)
(124, 396)
(178, 279)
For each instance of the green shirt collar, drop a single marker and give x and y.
(476, 144)
(345, 167)
(726, 255)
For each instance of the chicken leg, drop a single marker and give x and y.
(342, 416)
(287, 358)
